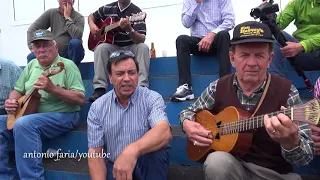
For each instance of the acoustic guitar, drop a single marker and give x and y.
(28, 104)
(232, 129)
(107, 30)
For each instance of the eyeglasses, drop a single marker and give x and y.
(45, 46)
(120, 52)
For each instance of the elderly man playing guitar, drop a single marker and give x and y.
(275, 147)
(114, 22)
(57, 99)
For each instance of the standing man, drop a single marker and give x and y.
(129, 37)
(131, 124)
(58, 111)
(67, 28)
(209, 22)
(304, 44)
(276, 147)
(9, 74)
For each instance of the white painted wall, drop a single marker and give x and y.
(163, 23)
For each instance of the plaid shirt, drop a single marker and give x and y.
(298, 156)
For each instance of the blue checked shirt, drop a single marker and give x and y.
(9, 74)
(208, 16)
(298, 156)
(114, 127)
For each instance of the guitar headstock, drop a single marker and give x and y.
(308, 112)
(138, 17)
(56, 71)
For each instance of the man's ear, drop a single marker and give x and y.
(110, 79)
(270, 58)
(231, 55)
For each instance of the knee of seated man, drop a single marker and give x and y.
(23, 123)
(143, 46)
(182, 39)
(75, 42)
(219, 162)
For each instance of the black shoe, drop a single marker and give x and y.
(96, 94)
(183, 93)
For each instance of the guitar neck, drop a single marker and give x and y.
(308, 113)
(28, 95)
(117, 24)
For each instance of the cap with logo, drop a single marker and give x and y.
(42, 35)
(252, 31)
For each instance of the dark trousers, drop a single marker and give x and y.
(150, 166)
(75, 52)
(187, 45)
(306, 61)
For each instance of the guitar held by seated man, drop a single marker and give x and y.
(232, 129)
(108, 29)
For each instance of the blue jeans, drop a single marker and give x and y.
(75, 52)
(150, 166)
(306, 61)
(27, 135)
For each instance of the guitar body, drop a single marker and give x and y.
(238, 144)
(101, 36)
(29, 107)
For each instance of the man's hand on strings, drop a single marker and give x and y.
(197, 134)
(282, 130)
(44, 83)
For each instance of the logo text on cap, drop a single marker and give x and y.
(248, 31)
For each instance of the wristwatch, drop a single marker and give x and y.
(130, 32)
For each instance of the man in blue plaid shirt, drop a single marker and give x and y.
(9, 74)
(277, 146)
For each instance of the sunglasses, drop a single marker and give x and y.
(120, 52)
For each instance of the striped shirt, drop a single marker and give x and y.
(113, 10)
(299, 156)
(114, 127)
(9, 74)
(208, 16)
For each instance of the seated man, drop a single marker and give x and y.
(58, 109)
(128, 37)
(131, 124)
(9, 74)
(209, 22)
(67, 28)
(275, 147)
(304, 46)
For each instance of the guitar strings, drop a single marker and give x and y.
(300, 112)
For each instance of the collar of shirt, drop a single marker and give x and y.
(123, 8)
(53, 64)
(260, 89)
(132, 99)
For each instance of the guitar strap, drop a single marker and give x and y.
(263, 94)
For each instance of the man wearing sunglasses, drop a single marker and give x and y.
(67, 27)
(128, 37)
(129, 123)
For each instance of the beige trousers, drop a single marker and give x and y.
(223, 166)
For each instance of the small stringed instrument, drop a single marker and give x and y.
(231, 129)
(28, 104)
(107, 30)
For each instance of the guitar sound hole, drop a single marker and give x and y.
(217, 136)
(218, 124)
